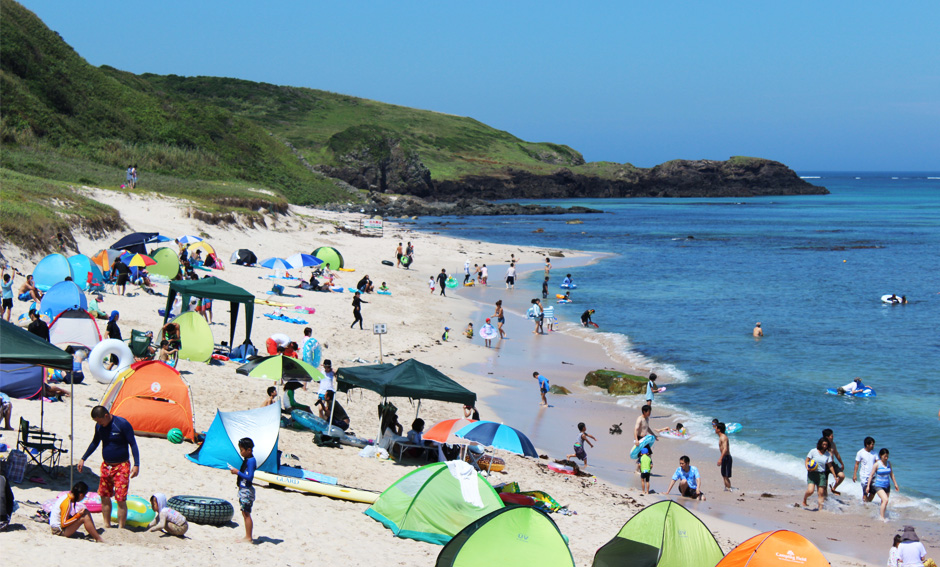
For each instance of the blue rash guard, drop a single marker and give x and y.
(115, 438)
(247, 473)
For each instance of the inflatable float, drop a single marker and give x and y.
(487, 462)
(733, 428)
(332, 491)
(337, 289)
(644, 442)
(488, 332)
(516, 499)
(673, 434)
(569, 286)
(314, 423)
(450, 282)
(104, 350)
(380, 292)
(139, 512)
(887, 299)
(298, 472)
(203, 509)
(388, 263)
(563, 301)
(559, 296)
(865, 392)
(562, 469)
(92, 502)
(345, 269)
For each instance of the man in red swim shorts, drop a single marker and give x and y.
(116, 436)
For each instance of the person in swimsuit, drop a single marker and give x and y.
(880, 480)
(7, 287)
(398, 255)
(357, 310)
(500, 319)
(28, 290)
(725, 459)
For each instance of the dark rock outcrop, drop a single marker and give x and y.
(410, 206)
(616, 383)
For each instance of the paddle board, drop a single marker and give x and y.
(644, 442)
(273, 303)
(297, 472)
(346, 269)
(332, 491)
(571, 286)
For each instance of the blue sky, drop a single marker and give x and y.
(816, 85)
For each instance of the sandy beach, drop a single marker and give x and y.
(297, 528)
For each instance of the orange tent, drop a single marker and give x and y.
(154, 398)
(781, 548)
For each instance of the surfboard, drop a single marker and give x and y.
(333, 491)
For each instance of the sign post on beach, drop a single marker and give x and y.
(379, 329)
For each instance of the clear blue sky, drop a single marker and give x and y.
(817, 85)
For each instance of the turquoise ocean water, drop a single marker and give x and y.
(812, 269)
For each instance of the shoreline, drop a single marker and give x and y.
(415, 325)
(756, 486)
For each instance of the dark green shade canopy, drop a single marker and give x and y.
(214, 288)
(18, 346)
(410, 379)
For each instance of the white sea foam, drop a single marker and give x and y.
(933, 178)
(619, 348)
(810, 177)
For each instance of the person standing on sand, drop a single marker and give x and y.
(398, 254)
(642, 428)
(650, 389)
(116, 437)
(548, 267)
(466, 272)
(7, 286)
(543, 387)
(880, 479)
(838, 470)
(818, 461)
(484, 275)
(442, 279)
(724, 460)
(758, 332)
(500, 319)
(357, 310)
(864, 461)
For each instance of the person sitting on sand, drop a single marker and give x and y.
(28, 291)
(165, 518)
(289, 403)
(94, 306)
(6, 411)
(326, 405)
(68, 514)
(365, 285)
(167, 353)
(384, 287)
(272, 396)
(689, 480)
(469, 331)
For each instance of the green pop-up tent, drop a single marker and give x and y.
(410, 379)
(214, 288)
(664, 534)
(429, 503)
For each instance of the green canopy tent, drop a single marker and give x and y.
(410, 379)
(428, 504)
(664, 534)
(214, 288)
(19, 346)
(515, 535)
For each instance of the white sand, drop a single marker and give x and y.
(293, 528)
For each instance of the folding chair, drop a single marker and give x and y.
(43, 449)
(140, 344)
(107, 283)
(94, 286)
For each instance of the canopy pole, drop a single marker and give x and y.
(418, 409)
(71, 425)
(382, 418)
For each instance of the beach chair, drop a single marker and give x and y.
(421, 449)
(107, 282)
(42, 448)
(93, 286)
(140, 344)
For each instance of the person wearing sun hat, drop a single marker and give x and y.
(911, 552)
(94, 308)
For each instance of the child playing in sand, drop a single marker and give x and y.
(431, 284)
(543, 387)
(166, 518)
(383, 287)
(583, 437)
(646, 466)
(272, 396)
(68, 514)
(469, 331)
(246, 491)
(166, 353)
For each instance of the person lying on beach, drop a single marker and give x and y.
(166, 519)
(689, 480)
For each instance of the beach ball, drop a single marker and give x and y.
(810, 466)
(175, 436)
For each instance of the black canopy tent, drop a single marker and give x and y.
(214, 288)
(18, 346)
(410, 379)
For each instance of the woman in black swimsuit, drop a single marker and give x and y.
(357, 313)
(500, 319)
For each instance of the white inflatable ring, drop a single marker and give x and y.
(104, 350)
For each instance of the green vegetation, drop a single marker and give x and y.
(616, 383)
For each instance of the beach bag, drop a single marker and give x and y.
(16, 466)
(322, 440)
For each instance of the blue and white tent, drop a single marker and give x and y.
(220, 448)
(51, 270)
(60, 298)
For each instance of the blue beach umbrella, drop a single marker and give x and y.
(498, 436)
(277, 264)
(189, 239)
(300, 260)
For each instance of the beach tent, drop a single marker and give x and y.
(781, 548)
(75, 327)
(22, 381)
(243, 257)
(431, 503)
(410, 379)
(220, 448)
(214, 288)
(517, 535)
(154, 398)
(135, 242)
(167, 263)
(664, 534)
(196, 339)
(82, 266)
(330, 256)
(51, 270)
(62, 297)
